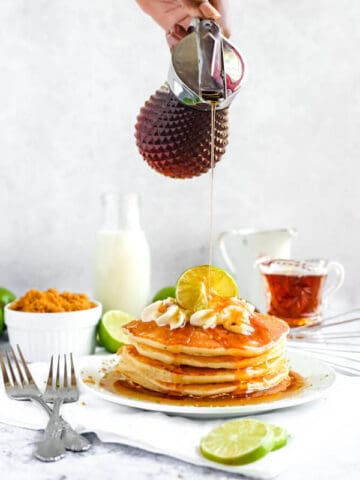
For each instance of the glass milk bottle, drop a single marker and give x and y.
(122, 257)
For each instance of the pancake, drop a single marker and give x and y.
(212, 341)
(221, 361)
(202, 390)
(188, 375)
(139, 377)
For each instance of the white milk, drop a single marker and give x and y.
(122, 258)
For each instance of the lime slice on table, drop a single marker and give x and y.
(195, 284)
(164, 293)
(111, 335)
(280, 437)
(238, 442)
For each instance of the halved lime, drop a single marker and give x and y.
(196, 283)
(238, 442)
(164, 293)
(111, 335)
(280, 437)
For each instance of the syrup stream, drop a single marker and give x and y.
(211, 209)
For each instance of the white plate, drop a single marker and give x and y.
(319, 376)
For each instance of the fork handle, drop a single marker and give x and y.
(52, 447)
(72, 440)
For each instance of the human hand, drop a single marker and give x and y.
(174, 16)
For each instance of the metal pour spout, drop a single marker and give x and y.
(206, 68)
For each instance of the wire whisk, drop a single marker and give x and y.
(335, 340)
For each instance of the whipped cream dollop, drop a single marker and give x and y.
(233, 314)
(165, 312)
(236, 317)
(206, 318)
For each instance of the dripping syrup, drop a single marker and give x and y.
(285, 389)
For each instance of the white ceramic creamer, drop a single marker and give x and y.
(247, 246)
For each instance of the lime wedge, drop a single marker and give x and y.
(196, 283)
(164, 293)
(237, 442)
(280, 437)
(111, 335)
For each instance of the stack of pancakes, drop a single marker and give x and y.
(192, 361)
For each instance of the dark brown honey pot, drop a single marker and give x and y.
(173, 129)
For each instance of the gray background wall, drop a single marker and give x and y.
(72, 78)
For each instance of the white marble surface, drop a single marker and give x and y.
(104, 461)
(73, 77)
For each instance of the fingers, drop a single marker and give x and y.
(214, 9)
(201, 8)
(175, 16)
(222, 6)
(208, 11)
(175, 34)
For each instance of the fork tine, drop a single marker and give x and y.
(65, 373)
(57, 381)
(4, 372)
(49, 382)
(14, 378)
(73, 375)
(28, 375)
(22, 380)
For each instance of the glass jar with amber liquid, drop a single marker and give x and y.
(296, 290)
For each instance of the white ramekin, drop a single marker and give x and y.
(40, 335)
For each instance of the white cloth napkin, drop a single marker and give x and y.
(179, 437)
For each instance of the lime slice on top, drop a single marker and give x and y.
(280, 437)
(238, 442)
(111, 335)
(196, 283)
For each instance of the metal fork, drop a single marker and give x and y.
(23, 387)
(61, 391)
